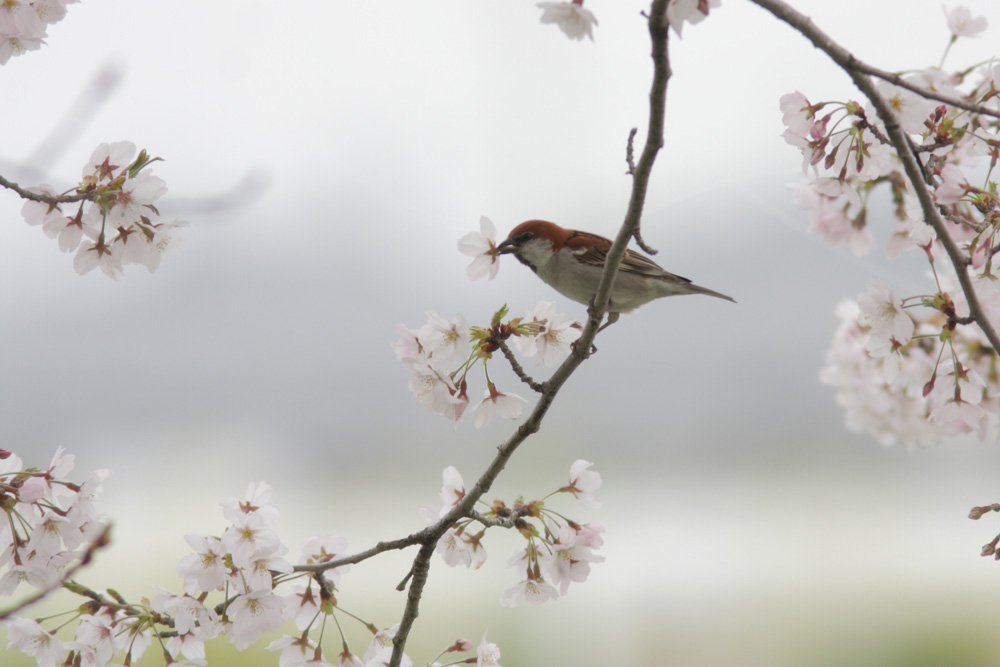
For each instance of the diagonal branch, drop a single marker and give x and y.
(429, 536)
(914, 173)
(640, 182)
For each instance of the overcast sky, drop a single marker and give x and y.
(329, 155)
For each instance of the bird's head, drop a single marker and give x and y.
(534, 242)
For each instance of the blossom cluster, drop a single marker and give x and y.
(558, 552)
(117, 222)
(912, 369)
(52, 524)
(440, 354)
(23, 24)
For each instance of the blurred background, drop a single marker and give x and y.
(328, 156)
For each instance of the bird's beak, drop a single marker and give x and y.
(506, 247)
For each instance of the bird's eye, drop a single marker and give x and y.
(523, 237)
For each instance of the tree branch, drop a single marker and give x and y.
(24, 193)
(640, 182)
(914, 173)
(849, 63)
(654, 140)
(658, 34)
(429, 536)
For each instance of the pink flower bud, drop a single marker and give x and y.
(33, 490)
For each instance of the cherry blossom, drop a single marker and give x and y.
(23, 25)
(882, 311)
(835, 187)
(568, 560)
(118, 224)
(256, 501)
(134, 635)
(956, 397)
(295, 651)
(952, 187)
(891, 414)
(380, 650)
(107, 162)
(497, 402)
(257, 574)
(457, 547)
(911, 109)
(99, 633)
(408, 349)
(571, 17)
(191, 616)
(833, 223)
(444, 342)
(555, 335)
(31, 639)
(435, 391)
(33, 490)
(487, 654)
(254, 614)
(249, 534)
(962, 24)
(534, 591)
(583, 483)
(454, 487)
(689, 11)
(204, 570)
(303, 604)
(323, 550)
(99, 253)
(482, 247)
(797, 115)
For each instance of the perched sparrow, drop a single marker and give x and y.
(572, 262)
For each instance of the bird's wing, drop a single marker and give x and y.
(593, 249)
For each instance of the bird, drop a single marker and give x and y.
(572, 262)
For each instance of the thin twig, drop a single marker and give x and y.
(518, 369)
(897, 80)
(965, 222)
(639, 241)
(380, 547)
(629, 151)
(24, 193)
(507, 522)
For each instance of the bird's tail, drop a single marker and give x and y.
(698, 289)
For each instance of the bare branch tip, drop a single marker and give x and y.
(649, 250)
(630, 151)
